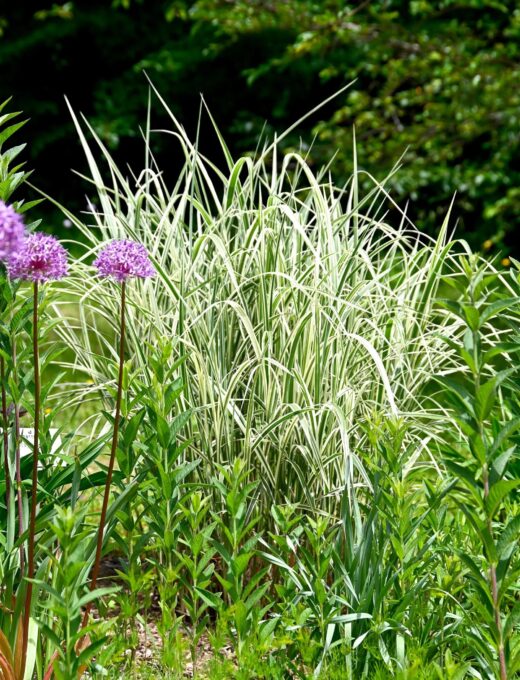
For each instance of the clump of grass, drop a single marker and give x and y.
(300, 310)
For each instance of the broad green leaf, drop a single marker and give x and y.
(209, 598)
(509, 537)
(240, 562)
(471, 314)
(7, 132)
(486, 393)
(506, 431)
(499, 466)
(241, 614)
(498, 492)
(491, 310)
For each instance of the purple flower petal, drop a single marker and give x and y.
(41, 258)
(12, 231)
(124, 259)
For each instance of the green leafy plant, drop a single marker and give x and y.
(196, 565)
(11, 177)
(361, 588)
(165, 496)
(13, 318)
(482, 460)
(68, 595)
(244, 584)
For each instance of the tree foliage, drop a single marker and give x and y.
(440, 80)
(436, 81)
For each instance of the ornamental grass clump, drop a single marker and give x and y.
(41, 258)
(120, 260)
(301, 310)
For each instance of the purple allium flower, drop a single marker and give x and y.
(41, 258)
(124, 259)
(12, 231)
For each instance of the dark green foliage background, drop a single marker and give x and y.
(439, 80)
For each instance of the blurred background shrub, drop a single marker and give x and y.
(437, 80)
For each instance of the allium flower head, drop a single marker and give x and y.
(41, 258)
(12, 231)
(124, 259)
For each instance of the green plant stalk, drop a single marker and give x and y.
(18, 472)
(5, 433)
(489, 521)
(494, 589)
(5, 426)
(34, 487)
(117, 415)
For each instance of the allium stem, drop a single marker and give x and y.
(117, 416)
(6, 434)
(34, 487)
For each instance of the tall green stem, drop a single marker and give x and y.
(494, 588)
(6, 434)
(34, 486)
(489, 520)
(18, 471)
(117, 417)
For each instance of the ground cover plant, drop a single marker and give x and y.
(275, 429)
